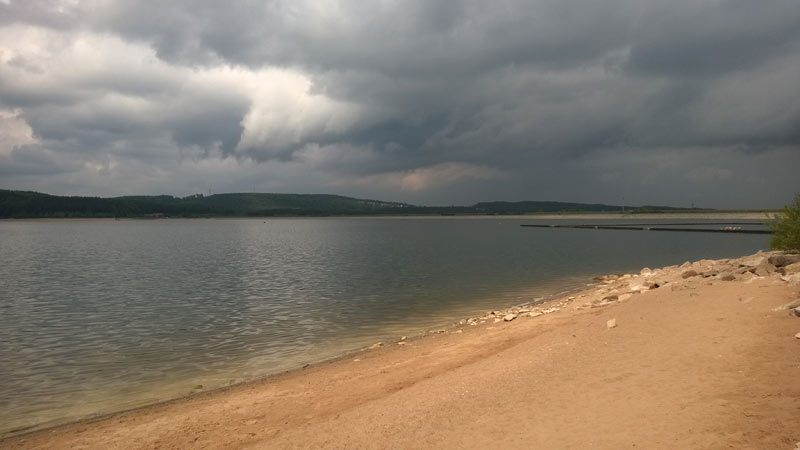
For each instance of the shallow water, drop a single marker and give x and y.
(100, 316)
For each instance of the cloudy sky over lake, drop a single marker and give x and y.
(429, 102)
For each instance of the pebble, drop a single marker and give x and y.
(797, 336)
(612, 323)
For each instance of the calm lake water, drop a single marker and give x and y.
(101, 316)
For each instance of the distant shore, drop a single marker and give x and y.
(765, 216)
(705, 350)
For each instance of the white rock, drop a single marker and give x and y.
(751, 261)
(792, 269)
(791, 305)
(509, 317)
(797, 336)
(612, 323)
(792, 280)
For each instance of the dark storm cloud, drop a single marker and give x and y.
(416, 100)
(418, 37)
(689, 38)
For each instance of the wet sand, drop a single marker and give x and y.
(704, 361)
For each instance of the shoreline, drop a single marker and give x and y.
(478, 335)
(446, 326)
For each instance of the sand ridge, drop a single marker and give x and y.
(703, 356)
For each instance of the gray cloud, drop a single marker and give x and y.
(688, 38)
(432, 102)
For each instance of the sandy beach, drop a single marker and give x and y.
(698, 356)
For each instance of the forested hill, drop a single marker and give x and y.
(25, 204)
(32, 204)
(529, 207)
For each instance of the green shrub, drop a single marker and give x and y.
(786, 227)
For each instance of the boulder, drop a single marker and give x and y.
(764, 269)
(784, 259)
(509, 317)
(642, 285)
(791, 269)
(792, 280)
(726, 276)
(747, 276)
(751, 261)
(689, 273)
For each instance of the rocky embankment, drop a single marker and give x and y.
(782, 267)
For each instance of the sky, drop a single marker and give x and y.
(448, 102)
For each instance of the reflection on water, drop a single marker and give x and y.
(100, 316)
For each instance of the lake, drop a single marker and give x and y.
(100, 316)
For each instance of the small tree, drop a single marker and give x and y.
(786, 227)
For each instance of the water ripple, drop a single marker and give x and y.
(99, 316)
